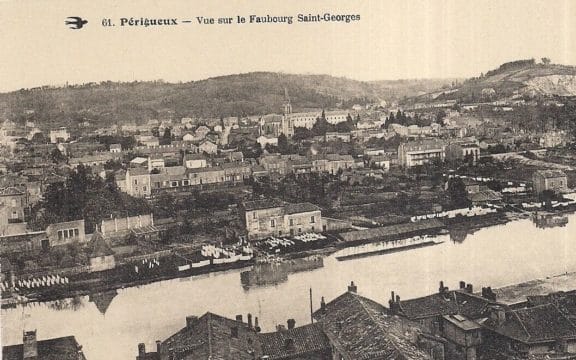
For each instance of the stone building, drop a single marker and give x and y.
(275, 218)
(51, 349)
(65, 233)
(14, 201)
(458, 151)
(553, 180)
(349, 327)
(360, 328)
(420, 152)
(59, 135)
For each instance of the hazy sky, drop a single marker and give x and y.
(393, 39)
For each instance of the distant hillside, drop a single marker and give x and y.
(522, 77)
(234, 95)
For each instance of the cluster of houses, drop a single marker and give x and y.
(449, 324)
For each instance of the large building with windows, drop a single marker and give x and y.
(274, 125)
(420, 152)
(271, 217)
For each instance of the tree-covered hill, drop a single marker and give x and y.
(255, 93)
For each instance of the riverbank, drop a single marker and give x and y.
(518, 293)
(114, 279)
(123, 276)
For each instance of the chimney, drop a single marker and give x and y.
(487, 293)
(498, 315)
(469, 288)
(158, 347)
(441, 288)
(190, 320)
(141, 351)
(462, 284)
(256, 326)
(289, 344)
(392, 297)
(30, 346)
(239, 318)
(250, 321)
(352, 287)
(291, 324)
(322, 305)
(280, 328)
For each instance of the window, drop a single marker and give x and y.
(174, 183)
(144, 188)
(13, 202)
(291, 222)
(272, 223)
(135, 181)
(76, 232)
(312, 220)
(185, 182)
(14, 215)
(59, 234)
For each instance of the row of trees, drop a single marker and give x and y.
(84, 196)
(402, 118)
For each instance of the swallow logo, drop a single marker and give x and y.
(75, 22)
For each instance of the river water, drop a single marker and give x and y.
(110, 326)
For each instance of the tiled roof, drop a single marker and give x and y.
(551, 173)
(138, 171)
(454, 302)
(139, 160)
(484, 195)
(427, 144)
(564, 301)
(64, 348)
(360, 328)
(535, 324)
(210, 337)
(305, 339)
(272, 118)
(300, 208)
(262, 204)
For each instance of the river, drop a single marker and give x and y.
(110, 326)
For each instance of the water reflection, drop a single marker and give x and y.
(74, 304)
(276, 272)
(547, 220)
(460, 233)
(103, 300)
(155, 311)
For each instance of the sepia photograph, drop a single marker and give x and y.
(274, 180)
